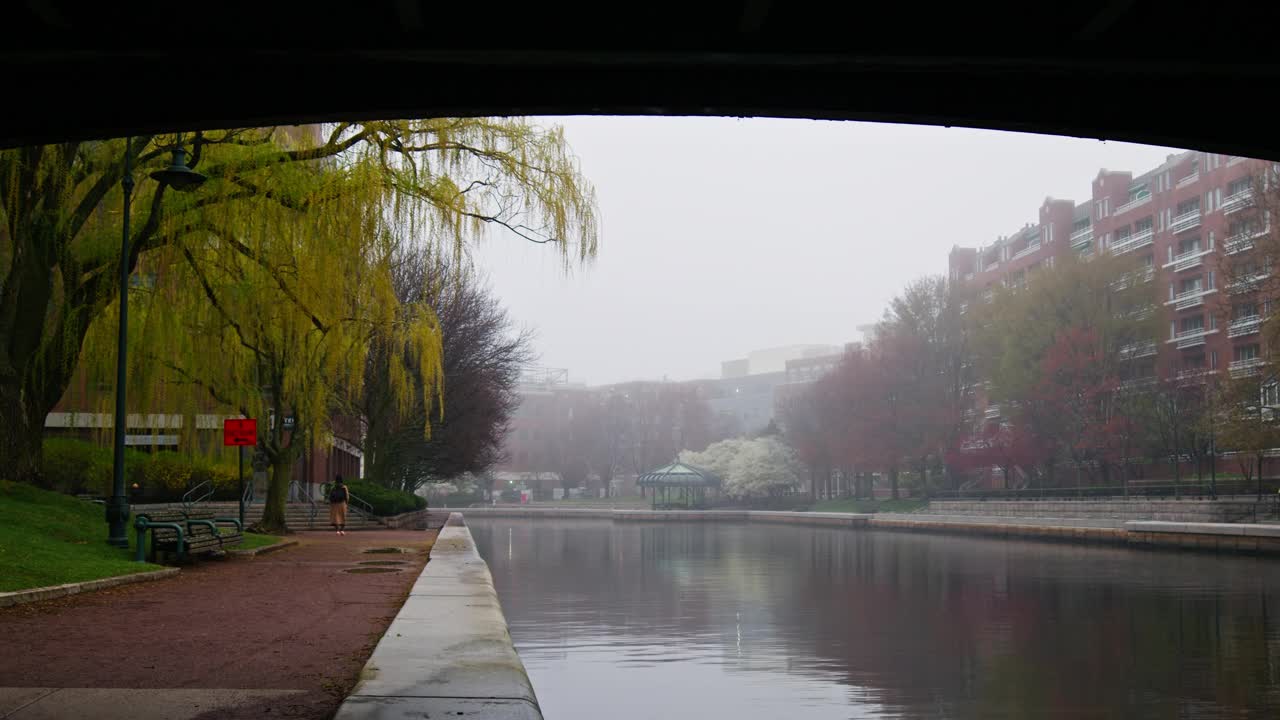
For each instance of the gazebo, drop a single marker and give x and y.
(691, 482)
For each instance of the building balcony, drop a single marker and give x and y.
(1134, 203)
(1194, 374)
(1186, 221)
(1250, 284)
(1190, 299)
(1082, 237)
(992, 412)
(1133, 242)
(995, 264)
(1241, 242)
(1235, 160)
(1244, 326)
(1141, 313)
(970, 414)
(1025, 252)
(1189, 180)
(1137, 277)
(1239, 201)
(1237, 244)
(1138, 384)
(1134, 351)
(968, 277)
(1244, 368)
(1192, 338)
(1188, 260)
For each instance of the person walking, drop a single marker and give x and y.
(339, 496)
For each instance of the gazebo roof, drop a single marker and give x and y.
(678, 474)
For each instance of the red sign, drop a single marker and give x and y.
(240, 432)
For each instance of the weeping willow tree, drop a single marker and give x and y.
(263, 288)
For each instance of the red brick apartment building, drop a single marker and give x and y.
(1179, 220)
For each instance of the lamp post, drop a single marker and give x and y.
(182, 178)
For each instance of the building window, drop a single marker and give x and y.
(1143, 225)
(1187, 206)
(1271, 394)
(1235, 187)
(1246, 352)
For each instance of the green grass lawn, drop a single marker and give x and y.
(47, 538)
(256, 540)
(850, 505)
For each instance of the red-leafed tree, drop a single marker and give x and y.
(1075, 403)
(1008, 446)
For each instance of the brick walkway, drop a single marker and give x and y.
(284, 622)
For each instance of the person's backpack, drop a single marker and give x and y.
(337, 495)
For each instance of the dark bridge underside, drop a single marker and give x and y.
(1194, 75)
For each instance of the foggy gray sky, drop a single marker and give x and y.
(721, 236)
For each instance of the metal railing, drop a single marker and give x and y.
(1186, 180)
(1238, 201)
(193, 496)
(1082, 236)
(1136, 350)
(1251, 283)
(1193, 374)
(1192, 338)
(1136, 202)
(1242, 368)
(1244, 326)
(1132, 242)
(1188, 260)
(1186, 221)
(354, 503)
(1191, 298)
(1025, 251)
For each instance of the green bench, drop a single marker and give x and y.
(185, 532)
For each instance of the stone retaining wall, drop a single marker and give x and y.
(1033, 532)
(447, 653)
(1114, 509)
(416, 520)
(1085, 530)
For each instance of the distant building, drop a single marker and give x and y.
(772, 360)
(743, 404)
(735, 368)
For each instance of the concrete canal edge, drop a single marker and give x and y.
(1220, 537)
(447, 653)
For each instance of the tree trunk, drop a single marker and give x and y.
(1259, 477)
(21, 436)
(273, 511)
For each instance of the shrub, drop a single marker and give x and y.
(76, 466)
(386, 501)
(79, 466)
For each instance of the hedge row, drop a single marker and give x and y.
(386, 501)
(77, 466)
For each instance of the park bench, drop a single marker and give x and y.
(186, 532)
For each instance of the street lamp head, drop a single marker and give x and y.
(178, 175)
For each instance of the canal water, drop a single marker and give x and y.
(622, 621)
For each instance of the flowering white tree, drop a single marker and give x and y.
(759, 467)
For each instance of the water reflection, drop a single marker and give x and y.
(704, 620)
